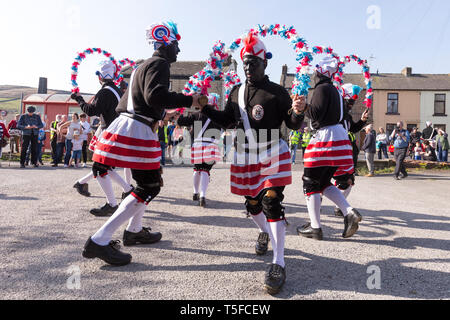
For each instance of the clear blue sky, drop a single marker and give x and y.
(41, 38)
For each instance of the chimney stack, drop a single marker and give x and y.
(42, 86)
(407, 72)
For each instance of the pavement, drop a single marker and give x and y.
(402, 250)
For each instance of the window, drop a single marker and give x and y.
(441, 126)
(410, 127)
(439, 104)
(73, 110)
(392, 107)
(390, 127)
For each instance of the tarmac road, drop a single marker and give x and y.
(402, 250)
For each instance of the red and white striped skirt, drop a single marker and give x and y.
(253, 173)
(205, 152)
(330, 147)
(128, 143)
(95, 138)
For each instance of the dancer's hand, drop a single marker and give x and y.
(299, 104)
(365, 115)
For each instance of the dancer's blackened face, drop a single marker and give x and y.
(254, 68)
(172, 51)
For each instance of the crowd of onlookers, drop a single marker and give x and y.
(69, 140)
(429, 145)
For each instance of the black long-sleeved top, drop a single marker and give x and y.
(325, 107)
(150, 91)
(104, 104)
(189, 121)
(267, 104)
(350, 125)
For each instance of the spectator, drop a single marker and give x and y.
(86, 129)
(401, 140)
(71, 126)
(30, 124)
(429, 132)
(369, 149)
(15, 133)
(61, 139)
(429, 153)
(306, 138)
(163, 140)
(294, 140)
(418, 151)
(170, 129)
(415, 137)
(41, 140)
(3, 133)
(382, 144)
(53, 139)
(442, 146)
(77, 148)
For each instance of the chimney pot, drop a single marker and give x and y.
(407, 72)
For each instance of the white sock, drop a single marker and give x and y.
(338, 198)
(106, 185)
(128, 175)
(204, 179)
(87, 178)
(135, 224)
(197, 177)
(346, 193)
(313, 203)
(118, 179)
(261, 222)
(277, 237)
(127, 209)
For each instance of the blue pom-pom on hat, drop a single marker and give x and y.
(269, 55)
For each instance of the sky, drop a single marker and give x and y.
(42, 38)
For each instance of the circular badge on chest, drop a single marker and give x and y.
(258, 112)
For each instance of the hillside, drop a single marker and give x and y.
(11, 92)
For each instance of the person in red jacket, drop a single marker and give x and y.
(15, 133)
(3, 133)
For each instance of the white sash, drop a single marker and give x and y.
(200, 135)
(244, 116)
(113, 91)
(130, 105)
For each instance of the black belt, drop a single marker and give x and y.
(151, 124)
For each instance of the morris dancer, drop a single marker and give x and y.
(103, 106)
(204, 153)
(345, 177)
(131, 142)
(329, 150)
(262, 167)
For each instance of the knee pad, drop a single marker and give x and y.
(146, 193)
(344, 182)
(254, 207)
(311, 185)
(99, 169)
(272, 205)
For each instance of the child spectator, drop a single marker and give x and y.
(418, 151)
(77, 143)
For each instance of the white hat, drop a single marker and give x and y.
(351, 91)
(328, 66)
(107, 70)
(253, 46)
(429, 124)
